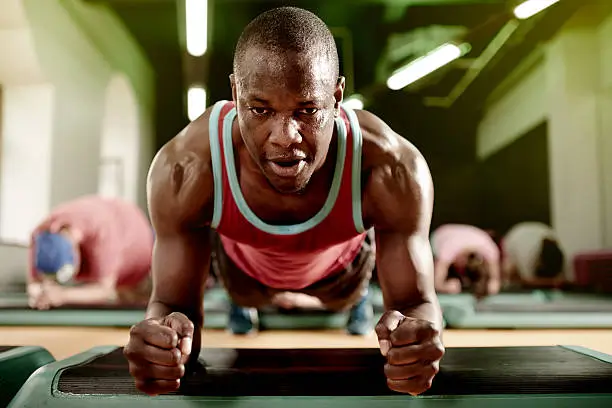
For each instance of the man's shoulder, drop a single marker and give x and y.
(193, 139)
(382, 145)
(190, 148)
(180, 179)
(397, 180)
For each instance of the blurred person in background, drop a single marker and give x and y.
(90, 251)
(466, 259)
(532, 256)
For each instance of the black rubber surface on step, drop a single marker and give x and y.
(354, 372)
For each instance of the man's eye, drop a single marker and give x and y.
(259, 111)
(309, 111)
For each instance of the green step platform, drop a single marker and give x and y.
(17, 363)
(496, 377)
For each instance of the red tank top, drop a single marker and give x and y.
(289, 257)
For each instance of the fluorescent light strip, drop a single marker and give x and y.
(425, 65)
(196, 22)
(532, 7)
(196, 102)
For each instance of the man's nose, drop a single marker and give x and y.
(285, 132)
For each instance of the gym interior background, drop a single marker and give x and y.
(517, 127)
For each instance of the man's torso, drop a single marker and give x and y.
(288, 241)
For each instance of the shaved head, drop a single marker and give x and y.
(288, 31)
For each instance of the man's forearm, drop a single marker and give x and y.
(157, 309)
(428, 310)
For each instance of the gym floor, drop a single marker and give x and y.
(63, 342)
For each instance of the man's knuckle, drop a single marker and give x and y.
(134, 330)
(135, 371)
(434, 369)
(128, 351)
(394, 356)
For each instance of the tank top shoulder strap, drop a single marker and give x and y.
(215, 134)
(355, 145)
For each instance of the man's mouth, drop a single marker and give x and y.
(287, 163)
(287, 167)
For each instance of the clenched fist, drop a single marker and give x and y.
(157, 352)
(413, 350)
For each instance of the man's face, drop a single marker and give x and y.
(286, 105)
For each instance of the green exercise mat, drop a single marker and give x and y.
(496, 377)
(14, 311)
(548, 310)
(17, 363)
(467, 298)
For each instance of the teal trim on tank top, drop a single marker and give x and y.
(356, 169)
(215, 154)
(230, 167)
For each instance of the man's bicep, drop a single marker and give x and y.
(180, 268)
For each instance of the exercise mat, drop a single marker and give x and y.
(551, 309)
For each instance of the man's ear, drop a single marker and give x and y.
(339, 92)
(232, 79)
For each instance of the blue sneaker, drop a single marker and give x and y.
(361, 317)
(242, 320)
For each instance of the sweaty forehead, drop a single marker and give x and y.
(264, 70)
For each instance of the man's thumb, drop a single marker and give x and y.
(183, 327)
(386, 325)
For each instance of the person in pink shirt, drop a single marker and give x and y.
(92, 250)
(466, 257)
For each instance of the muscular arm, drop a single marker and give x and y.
(179, 193)
(398, 201)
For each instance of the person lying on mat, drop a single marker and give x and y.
(289, 181)
(532, 256)
(90, 251)
(466, 258)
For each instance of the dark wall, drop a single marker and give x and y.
(514, 182)
(510, 186)
(446, 139)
